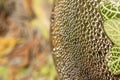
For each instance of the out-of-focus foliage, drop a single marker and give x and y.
(24, 40)
(4, 72)
(7, 45)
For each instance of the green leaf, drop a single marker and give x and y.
(112, 29)
(113, 60)
(110, 11)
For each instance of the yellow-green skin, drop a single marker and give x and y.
(79, 43)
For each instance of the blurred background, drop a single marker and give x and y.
(24, 40)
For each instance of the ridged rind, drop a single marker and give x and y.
(79, 43)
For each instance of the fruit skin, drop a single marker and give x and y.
(79, 42)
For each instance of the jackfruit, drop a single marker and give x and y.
(79, 42)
